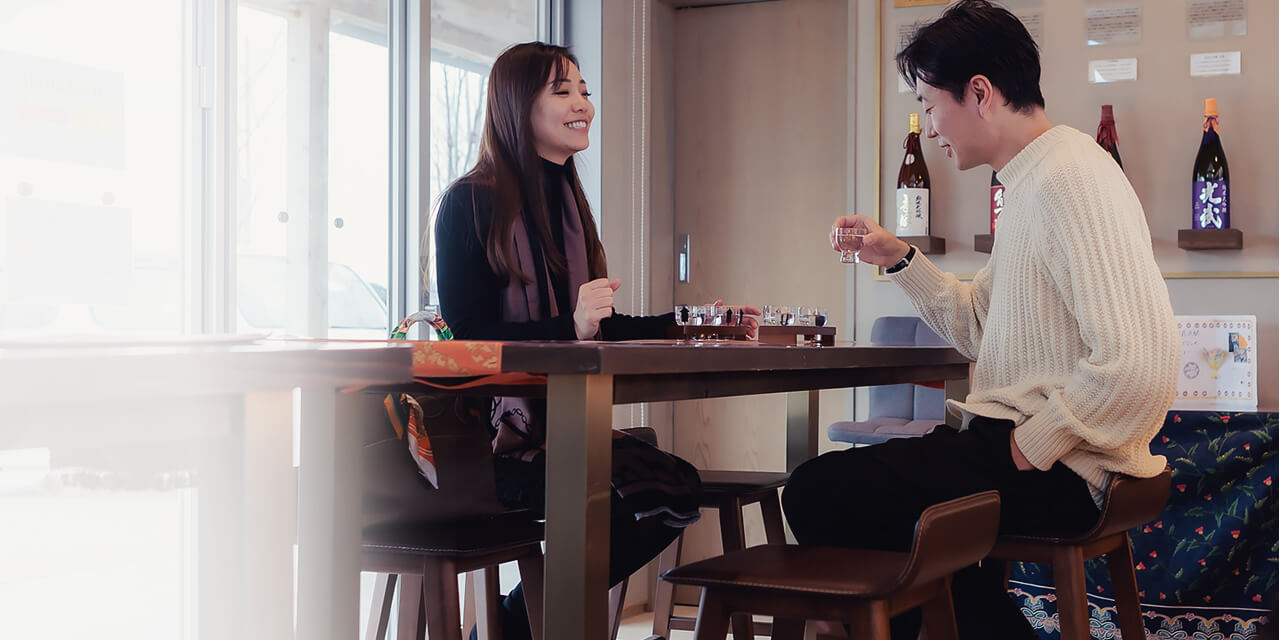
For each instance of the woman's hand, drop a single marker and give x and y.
(595, 302)
(878, 246)
(749, 317)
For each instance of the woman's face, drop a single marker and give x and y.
(562, 115)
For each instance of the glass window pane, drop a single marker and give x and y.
(96, 150)
(261, 168)
(271, 165)
(359, 155)
(466, 37)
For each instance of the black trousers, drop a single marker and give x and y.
(870, 497)
(632, 542)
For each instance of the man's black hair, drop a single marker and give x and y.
(975, 37)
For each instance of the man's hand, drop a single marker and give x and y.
(878, 246)
(1019, 460)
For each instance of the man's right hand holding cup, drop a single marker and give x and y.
(874, 246)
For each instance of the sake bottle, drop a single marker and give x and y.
(1210, 182)
(912, 197)
(1107, 138)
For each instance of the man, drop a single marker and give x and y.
(1069, 323)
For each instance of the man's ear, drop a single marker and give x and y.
(983, 92)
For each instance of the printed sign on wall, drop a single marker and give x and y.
(1219, 367)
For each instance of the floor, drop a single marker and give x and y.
(639, 627)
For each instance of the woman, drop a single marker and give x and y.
(519, 258)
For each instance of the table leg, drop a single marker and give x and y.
(329, 513)
(270, 501)
(802, 427)
(579, 457)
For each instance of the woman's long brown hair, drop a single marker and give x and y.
(509, 164)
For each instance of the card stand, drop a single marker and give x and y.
(707, 332)
(795, 334)
(1202, 239)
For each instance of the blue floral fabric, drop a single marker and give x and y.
(1207, 566)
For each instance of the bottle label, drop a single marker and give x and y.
(997, 204)
(1210, 205)
(913, 212)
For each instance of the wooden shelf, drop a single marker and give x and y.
(791, 334)
(1202, 239)
(707, 332)
(983, 242)
(927, 244)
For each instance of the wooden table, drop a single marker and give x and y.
(584, 380)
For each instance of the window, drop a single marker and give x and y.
(291, 206)
(466, 37)
(95, 154)
(108, 157)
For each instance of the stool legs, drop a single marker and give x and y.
(713, 618)
(1069, 583)
(787, 629)
(664, 594)
(409, 622)
(440, 597)
(938, 615)
(531, 576)
(1124, 587)
(486, 585)
(734, 537)
(617, 598)
(384, 589)
(771, 513)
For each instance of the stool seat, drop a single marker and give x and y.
(798, 569)
(1129, 502)
(860, 587)
(457, 538)
(716, 483)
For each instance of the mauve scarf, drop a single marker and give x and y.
(519, 426)
(650, 482)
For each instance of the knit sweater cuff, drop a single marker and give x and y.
(921, 279)
(1044, 438)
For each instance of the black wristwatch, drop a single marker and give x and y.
(906, 260)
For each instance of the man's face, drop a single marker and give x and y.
(955, 124)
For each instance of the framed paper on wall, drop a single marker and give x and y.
(1219, 366)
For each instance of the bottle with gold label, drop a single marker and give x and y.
(912, 197)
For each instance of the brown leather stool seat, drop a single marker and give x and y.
(728, 492)
(1129, 502)
(860, 587)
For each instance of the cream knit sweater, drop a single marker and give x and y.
(1069, 321)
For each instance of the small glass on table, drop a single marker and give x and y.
(684, 314)
(769, 314)
(786, 315)
(819, 316)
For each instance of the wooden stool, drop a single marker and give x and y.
(426, 561)
(860, 587)
(422, 536)
(1129, 502)
(728, 492)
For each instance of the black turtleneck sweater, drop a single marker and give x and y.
(471, 293)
